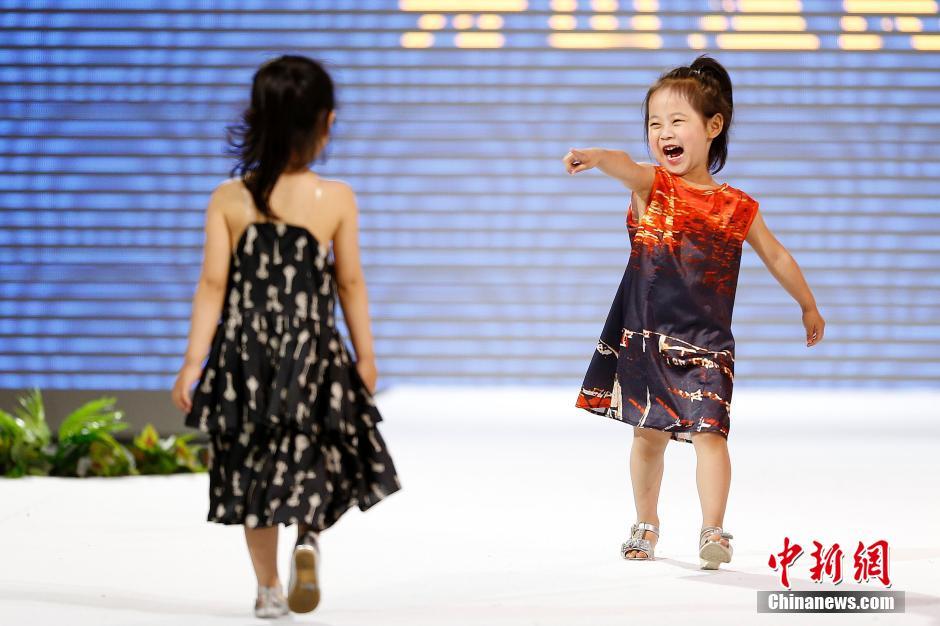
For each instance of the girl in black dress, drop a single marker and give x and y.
(290, 415)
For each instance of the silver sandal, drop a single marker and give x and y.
(713, 553)
(638, 543)
(270, 603)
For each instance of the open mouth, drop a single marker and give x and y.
(673, 152)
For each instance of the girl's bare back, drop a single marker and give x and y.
(305, 199)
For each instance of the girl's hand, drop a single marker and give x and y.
(580, 160)
(187, 377)
(368, 372)
(815, 325)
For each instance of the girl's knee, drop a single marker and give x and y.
(709, 441)
(709, 437)
(649, 440)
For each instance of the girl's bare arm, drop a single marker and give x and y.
(210, 291)
(784, 268)
(208, 299)
(616, 164)
(350, 278)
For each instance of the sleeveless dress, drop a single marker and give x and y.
(665, 358)
(292, 428)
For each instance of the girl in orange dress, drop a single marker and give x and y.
(665, 360)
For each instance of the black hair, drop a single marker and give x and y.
(707, 87)
(284, 126)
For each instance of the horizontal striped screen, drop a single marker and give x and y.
(485, 262)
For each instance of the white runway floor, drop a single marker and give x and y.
(512, 511)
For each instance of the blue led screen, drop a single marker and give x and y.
(486, 263)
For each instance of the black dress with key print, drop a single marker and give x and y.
(292, 427)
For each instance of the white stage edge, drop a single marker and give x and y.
(513, 508)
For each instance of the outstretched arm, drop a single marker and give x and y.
(616, 164)
(784, 268)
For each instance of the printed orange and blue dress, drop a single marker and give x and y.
(665, 358)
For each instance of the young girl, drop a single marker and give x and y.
(290, 416)
(665, 360)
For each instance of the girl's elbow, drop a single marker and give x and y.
(783, 261)
(211, 284)
(349, 284)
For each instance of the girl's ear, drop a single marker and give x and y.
(331, 119)
(714, 125)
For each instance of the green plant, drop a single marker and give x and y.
(24, 437)
(87, 446)
(164, 456)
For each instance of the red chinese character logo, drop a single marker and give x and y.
(872, 562)
(791, 552)
(829, 564)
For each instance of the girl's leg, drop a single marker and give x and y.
(303, 592)
(646, 474)
(713, 477)
(262, 546)
(307, 535)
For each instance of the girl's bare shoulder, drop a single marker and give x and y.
(230, 197)
(338, 193)
(225, 194)
(229, 191)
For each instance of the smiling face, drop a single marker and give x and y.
(679, 138)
